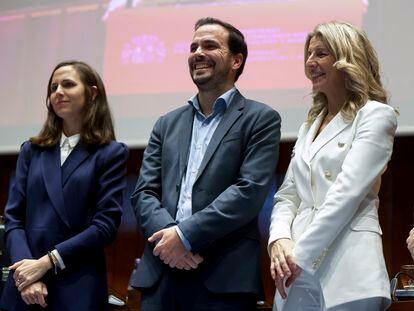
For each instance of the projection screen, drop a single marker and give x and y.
(140, 48)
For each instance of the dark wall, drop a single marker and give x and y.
(396, 214)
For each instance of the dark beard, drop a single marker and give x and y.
(211, 82)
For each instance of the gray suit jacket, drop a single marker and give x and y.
(229, 191)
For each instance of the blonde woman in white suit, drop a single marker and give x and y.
(325, 238)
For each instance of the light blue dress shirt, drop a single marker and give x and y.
(203, 130)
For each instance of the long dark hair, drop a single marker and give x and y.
(97, 127)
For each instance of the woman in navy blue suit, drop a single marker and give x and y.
(65, 204)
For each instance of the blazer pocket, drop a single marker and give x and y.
(232, 136)
(366, 223)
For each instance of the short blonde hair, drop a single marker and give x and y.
(357, 59)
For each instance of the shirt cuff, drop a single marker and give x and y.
(183, 238)
(61, 264)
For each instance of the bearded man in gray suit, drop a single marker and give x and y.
(205, 175)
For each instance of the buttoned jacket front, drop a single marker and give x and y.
(232, 183)
(74, 208)
(328, 203)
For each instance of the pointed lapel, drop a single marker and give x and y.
(309, 136)
(185, 131)
(51, 171)
(75, 158)
(233, 112)
(332, 129)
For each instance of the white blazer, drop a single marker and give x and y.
(328, 203)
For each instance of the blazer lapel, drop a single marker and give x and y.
(51, 171)
(76, 157)
(308, 139)
(233, 112)
(186, 128)
(331, 130)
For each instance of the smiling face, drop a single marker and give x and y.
(211, 63)
(320, 70)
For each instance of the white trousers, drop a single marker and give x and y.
(305, 294)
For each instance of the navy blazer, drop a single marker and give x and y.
(75, 208)
(232, 183)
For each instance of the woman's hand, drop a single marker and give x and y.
(35, 293)
(282, 265)
(28, 271)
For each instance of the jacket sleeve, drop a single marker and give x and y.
(147, 196)
(286, 202)
(108, 210)
(15, 211)
(370, 151)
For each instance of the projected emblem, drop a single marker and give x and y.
(143, 49)
(147, 46)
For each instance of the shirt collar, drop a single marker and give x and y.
(221, 103)
(73, 140)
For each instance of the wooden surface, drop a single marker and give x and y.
(396, 217)
(402, 306)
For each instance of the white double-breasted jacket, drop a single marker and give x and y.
(328, 203)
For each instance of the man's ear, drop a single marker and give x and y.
(237, 61)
